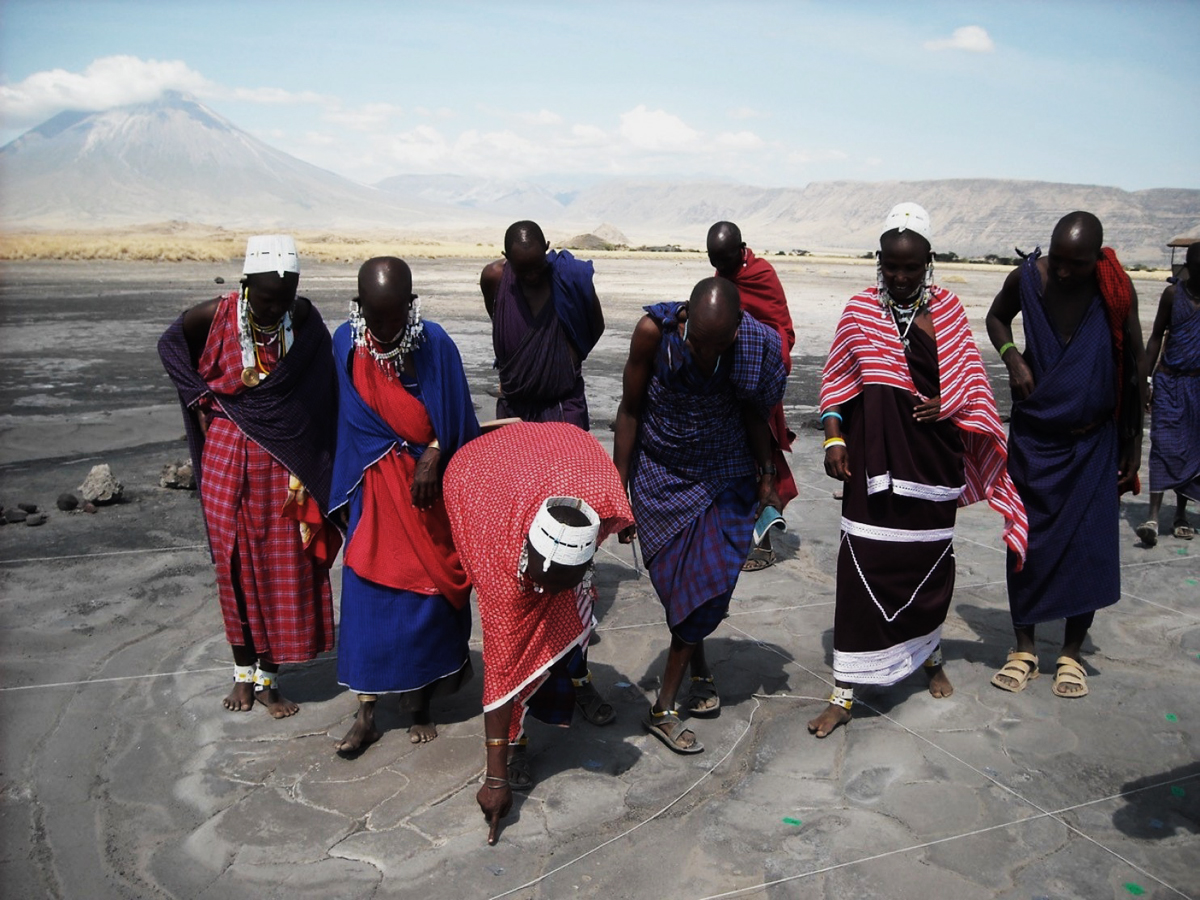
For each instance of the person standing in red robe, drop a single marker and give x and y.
(762, 296)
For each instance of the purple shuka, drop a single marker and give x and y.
(692, 477)
(1062, 456)
(540, 359)
(1175, 410)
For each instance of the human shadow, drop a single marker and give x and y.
(1159, 805)
(393, 713)
(996, 639)
(584, 747)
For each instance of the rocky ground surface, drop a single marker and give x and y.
(122, 776)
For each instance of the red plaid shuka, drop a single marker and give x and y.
(493, 487)
(867, 350)
(288, 603)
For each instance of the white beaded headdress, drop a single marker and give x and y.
(271, 253)
(564, 545)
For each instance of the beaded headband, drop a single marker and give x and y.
(564, 545)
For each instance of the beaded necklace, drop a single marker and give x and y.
(253, 368)
(903, 314)
(391, 360)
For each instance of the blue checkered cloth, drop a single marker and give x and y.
(692, 444)
(703, 620)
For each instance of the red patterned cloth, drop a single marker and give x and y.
(1117, 293)
(493, 487)
(288, 603)
(395, 544)
(762, 296)
(867, 350)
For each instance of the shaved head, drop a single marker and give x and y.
(715, 307)
(524, 234)
(725, 248)
(1079, 229)
(385, 295)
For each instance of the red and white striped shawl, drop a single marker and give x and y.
(867, 350)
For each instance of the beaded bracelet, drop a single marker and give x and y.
(833, 442)
(1004, 348)
(826, 415)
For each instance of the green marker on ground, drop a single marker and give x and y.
(1136, 889)
(788, 820)
(1171, 717)
(1177, 791)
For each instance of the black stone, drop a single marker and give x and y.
(28, 507)
(67, 502)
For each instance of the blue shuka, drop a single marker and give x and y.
(1175, 413)
(1063, 458)
(392, 640)
(692, 478)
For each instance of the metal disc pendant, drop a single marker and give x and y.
(250, 377)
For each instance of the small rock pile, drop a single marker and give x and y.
(178, 475)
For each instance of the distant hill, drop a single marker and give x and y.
(175, 159)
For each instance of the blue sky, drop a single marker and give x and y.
(767, 93)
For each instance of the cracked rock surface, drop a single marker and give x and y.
(124, 777)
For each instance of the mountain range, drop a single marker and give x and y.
(176, 160)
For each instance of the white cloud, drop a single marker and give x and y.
(740, 140)
(273, 96)
(656, 130)
(368, 118)
(747, 112)
(972, 38)
(107, 82)
(541, 117)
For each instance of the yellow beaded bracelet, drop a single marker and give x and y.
(833, 442)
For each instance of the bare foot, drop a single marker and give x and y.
(277, 705)
(360, 736)
(939, 685)
(423, 730)
(824, 724)
(241, 698)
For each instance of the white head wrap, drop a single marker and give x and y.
(564, 545)
(908, 217)
(271, 253)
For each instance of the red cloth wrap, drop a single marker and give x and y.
(395, 544)
(762, 296)
(494, 487)
(867, 350)
(287, 599)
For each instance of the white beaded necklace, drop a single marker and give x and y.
(387, 360)
(906, 314)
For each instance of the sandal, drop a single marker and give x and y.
(520, 778)
(1148, 532)
(703, 702)
(760, 558)
(1182, 530)
(591, 705)
(1021, 667)
(668, 728)
(1068, 671)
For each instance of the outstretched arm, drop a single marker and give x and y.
(1004, 309)
(634, 381)
(1162, 324)
(495, 796)
(762, 446)
(489, 284)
